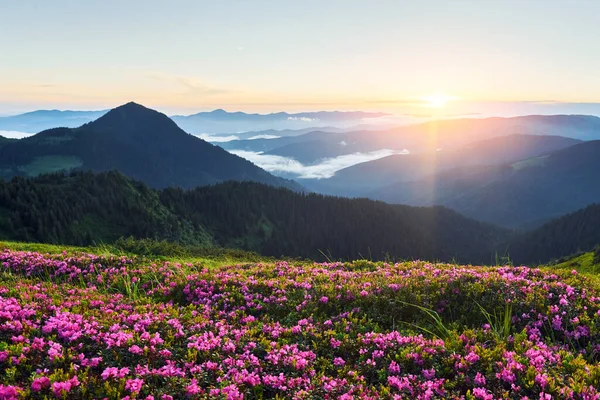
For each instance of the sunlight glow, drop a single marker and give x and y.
(437, 100)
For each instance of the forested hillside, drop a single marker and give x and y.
(83, 208)
(569, 234)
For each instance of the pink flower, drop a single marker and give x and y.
(134, 385)
(40, 383)
(394, 368)
(481, 393)
(193, 387)
(60, 389)
(472, 357)
(480, 379)
(339, 362)
(429, 373)
(8, 392)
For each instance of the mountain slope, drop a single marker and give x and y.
(5, 141)
(521, 194)
(141, 143)
(40, 120)
(83, 207)
(363, 178)
(569, 234)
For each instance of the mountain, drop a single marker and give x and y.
(141, 143)
(570, 234)
(521, 194)
(360, 179)
(83, 208)
(40, 120)
(221, 121)
(266, 145)
(5, 141)
(434, 135)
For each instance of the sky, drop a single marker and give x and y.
(405, 57)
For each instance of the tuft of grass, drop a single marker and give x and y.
(438, 328)
(500, 323)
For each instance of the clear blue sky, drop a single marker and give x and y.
(296, 55)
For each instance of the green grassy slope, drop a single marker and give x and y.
(587, 263)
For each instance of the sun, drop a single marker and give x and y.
(437, 100)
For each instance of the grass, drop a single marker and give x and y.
(586, 263)
(148, 249)
(47, 164)
(500, 323)
(532, 162)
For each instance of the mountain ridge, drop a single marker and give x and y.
(142, 143)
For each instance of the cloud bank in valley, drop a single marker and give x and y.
(217, 138)
(229, 138)
(326, 168)
(15, 134)
(264, 136)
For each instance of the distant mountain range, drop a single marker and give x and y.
(312, 147)
(141, 143)
(36, 121)
(213, 122)
(221, 121)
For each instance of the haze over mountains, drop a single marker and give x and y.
(515, 173)
(218, 122)
(512, 194)
(361, 179)
(36, 121)
(442, 134)
(223, 122)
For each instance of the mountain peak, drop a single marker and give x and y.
(132, 105)
(134, 116)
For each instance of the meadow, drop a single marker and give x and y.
(87, 324)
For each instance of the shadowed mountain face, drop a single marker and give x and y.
(141, 143)
(569, 234)
(361, 179)
(520, 194)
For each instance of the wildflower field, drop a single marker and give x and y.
(79, 326)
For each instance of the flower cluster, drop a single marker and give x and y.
(87, 326)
